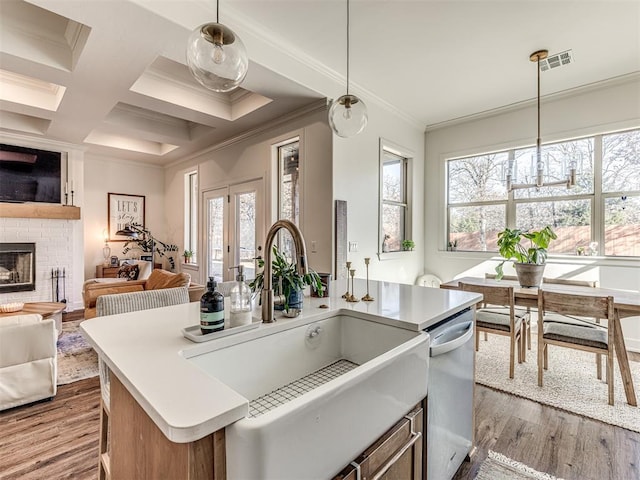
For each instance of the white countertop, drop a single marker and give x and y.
(147, 351)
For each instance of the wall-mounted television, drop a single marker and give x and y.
(30, 175)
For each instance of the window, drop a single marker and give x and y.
(191, 214)
(395, 214)
(288, 191)
(603, 207)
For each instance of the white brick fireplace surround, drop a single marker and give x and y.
(56, 247)
(59, 243)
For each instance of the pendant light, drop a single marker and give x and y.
(216, 56)
(348, 114)
(571, 177)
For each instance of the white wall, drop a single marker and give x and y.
(611, 107)
(251, 158)
(103, 175)
(356, 169)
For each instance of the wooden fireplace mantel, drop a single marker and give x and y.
(39, 210)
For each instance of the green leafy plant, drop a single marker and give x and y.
(148, 243)
(286, 277)
(511, 248)
(408, 244)
(187, 254)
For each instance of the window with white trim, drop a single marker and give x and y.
(395, 206)
(191, 213)
(288, 191)
(599, 215)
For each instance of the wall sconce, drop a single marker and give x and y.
(571, 178)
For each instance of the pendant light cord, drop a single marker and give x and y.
(217, 11)
(539, 140)
(347, 47)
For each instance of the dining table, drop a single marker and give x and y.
(626, 304)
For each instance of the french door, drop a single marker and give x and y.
(234, 229)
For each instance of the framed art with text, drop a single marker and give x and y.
(123, 210)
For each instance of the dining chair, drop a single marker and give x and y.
(574, 330)
(112, 305)
(527, 324)
(498, 315)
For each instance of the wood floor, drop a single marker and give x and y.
(58, 439)
(54, 439)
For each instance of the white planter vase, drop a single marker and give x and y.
(529, 274)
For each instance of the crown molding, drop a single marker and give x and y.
(571, 92)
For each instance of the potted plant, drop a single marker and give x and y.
(187, 254)
(147, 243)
(529, 260)
(286, 281)
(408, 245)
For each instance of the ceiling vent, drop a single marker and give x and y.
(556, 60)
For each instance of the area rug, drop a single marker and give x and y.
(570, 383)
(76, 359)
(499, 467)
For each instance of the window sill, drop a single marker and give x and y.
(393, 255)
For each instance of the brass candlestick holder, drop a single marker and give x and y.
(346, 295)
(352, 298)
(367, 297)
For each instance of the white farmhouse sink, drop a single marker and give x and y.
(317, 433)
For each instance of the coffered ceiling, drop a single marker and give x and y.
(111, 74)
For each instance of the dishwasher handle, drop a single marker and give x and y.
(464, 332)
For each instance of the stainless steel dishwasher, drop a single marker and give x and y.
(450, 397)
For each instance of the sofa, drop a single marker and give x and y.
(158, 279)
(28, 359)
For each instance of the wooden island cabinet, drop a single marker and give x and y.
(138, 449)
(399, 454)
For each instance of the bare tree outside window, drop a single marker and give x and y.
(472, 180)
(289, 192)
(394, 202)
(479, 206)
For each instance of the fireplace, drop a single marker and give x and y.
(17, 267)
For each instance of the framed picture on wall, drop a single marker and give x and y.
(123, 210)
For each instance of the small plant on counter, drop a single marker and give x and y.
(187, 254)
(286, 277)
(408, 245)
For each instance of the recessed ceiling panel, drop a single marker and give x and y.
(171, 82)
(41, 36)
(25, 90)
(24, 123)
(121, 142)
(132, 118)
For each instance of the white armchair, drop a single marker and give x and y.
(28, 364)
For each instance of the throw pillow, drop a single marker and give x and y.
(164, 279)
(129, 272)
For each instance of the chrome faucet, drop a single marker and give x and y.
(301, 263)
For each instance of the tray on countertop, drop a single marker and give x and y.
(194, 334)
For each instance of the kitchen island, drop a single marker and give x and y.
(156, 386)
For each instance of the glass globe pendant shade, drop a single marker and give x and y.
(348, 116)
(216, 57)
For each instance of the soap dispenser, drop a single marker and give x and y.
(211, 309)
(240, 295)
